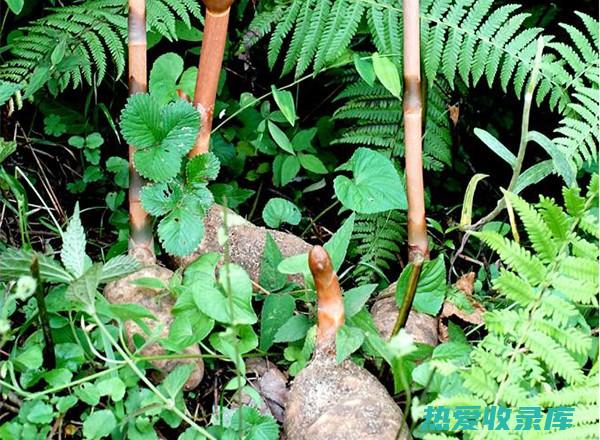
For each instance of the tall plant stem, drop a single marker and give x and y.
(140, 226)
(418, 247)
(209, 68)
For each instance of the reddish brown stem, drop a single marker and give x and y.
(140, 226)
(330, 305)
(209, 68)
(413, 109)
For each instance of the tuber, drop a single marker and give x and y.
(337, 401)
(160, 304)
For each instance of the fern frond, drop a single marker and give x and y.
(376, 118)
(95, 32)
(379, 238)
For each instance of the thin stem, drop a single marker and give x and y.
(409, 295)
(169, 403)
(140, 225)
(528, 100)
(43, 314)
(418, 246)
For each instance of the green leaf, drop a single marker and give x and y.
(312, 163)
(252, 425)
(189, 327)
(161, 136)
(285, 102)
(270, 278)
(565, 168)
(202, 168)
(355, 299)
(533, 175)
(99, 424)
(278, 211)
(174, 382)
(163, 77)
(16, 6)
(7, 90)
(244, 338)
(215, 303)
(88, 393)
(431, 289)
(347, 341)
(289, 169)
(31, 358)
(375, 187)
(58, 53)
(387, 74)
(113, 387)
(73, 254)
(38, 412)
(337, 245)
(280, 138)
(149, 283)
(38, 78)
(118, 267)
(365, 69)
(496, 146)
(120, 168)
(295, 328)
(6, 148)
(276, 311)
(160, 198)
(467, 209)
(181, 231)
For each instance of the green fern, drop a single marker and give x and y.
(537, 350)
(379, 242)
(76, 44)
(376, 118)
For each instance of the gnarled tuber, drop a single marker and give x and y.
(337, 401)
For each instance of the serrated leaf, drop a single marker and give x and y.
(160, 198)
(161, 136)
(285, 102)
(181, 231)
(387, 74)
(118, 267)
(202, 168)
(73, 254)
(278, 211)
(375, 186)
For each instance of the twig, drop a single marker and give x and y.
(43, 314)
